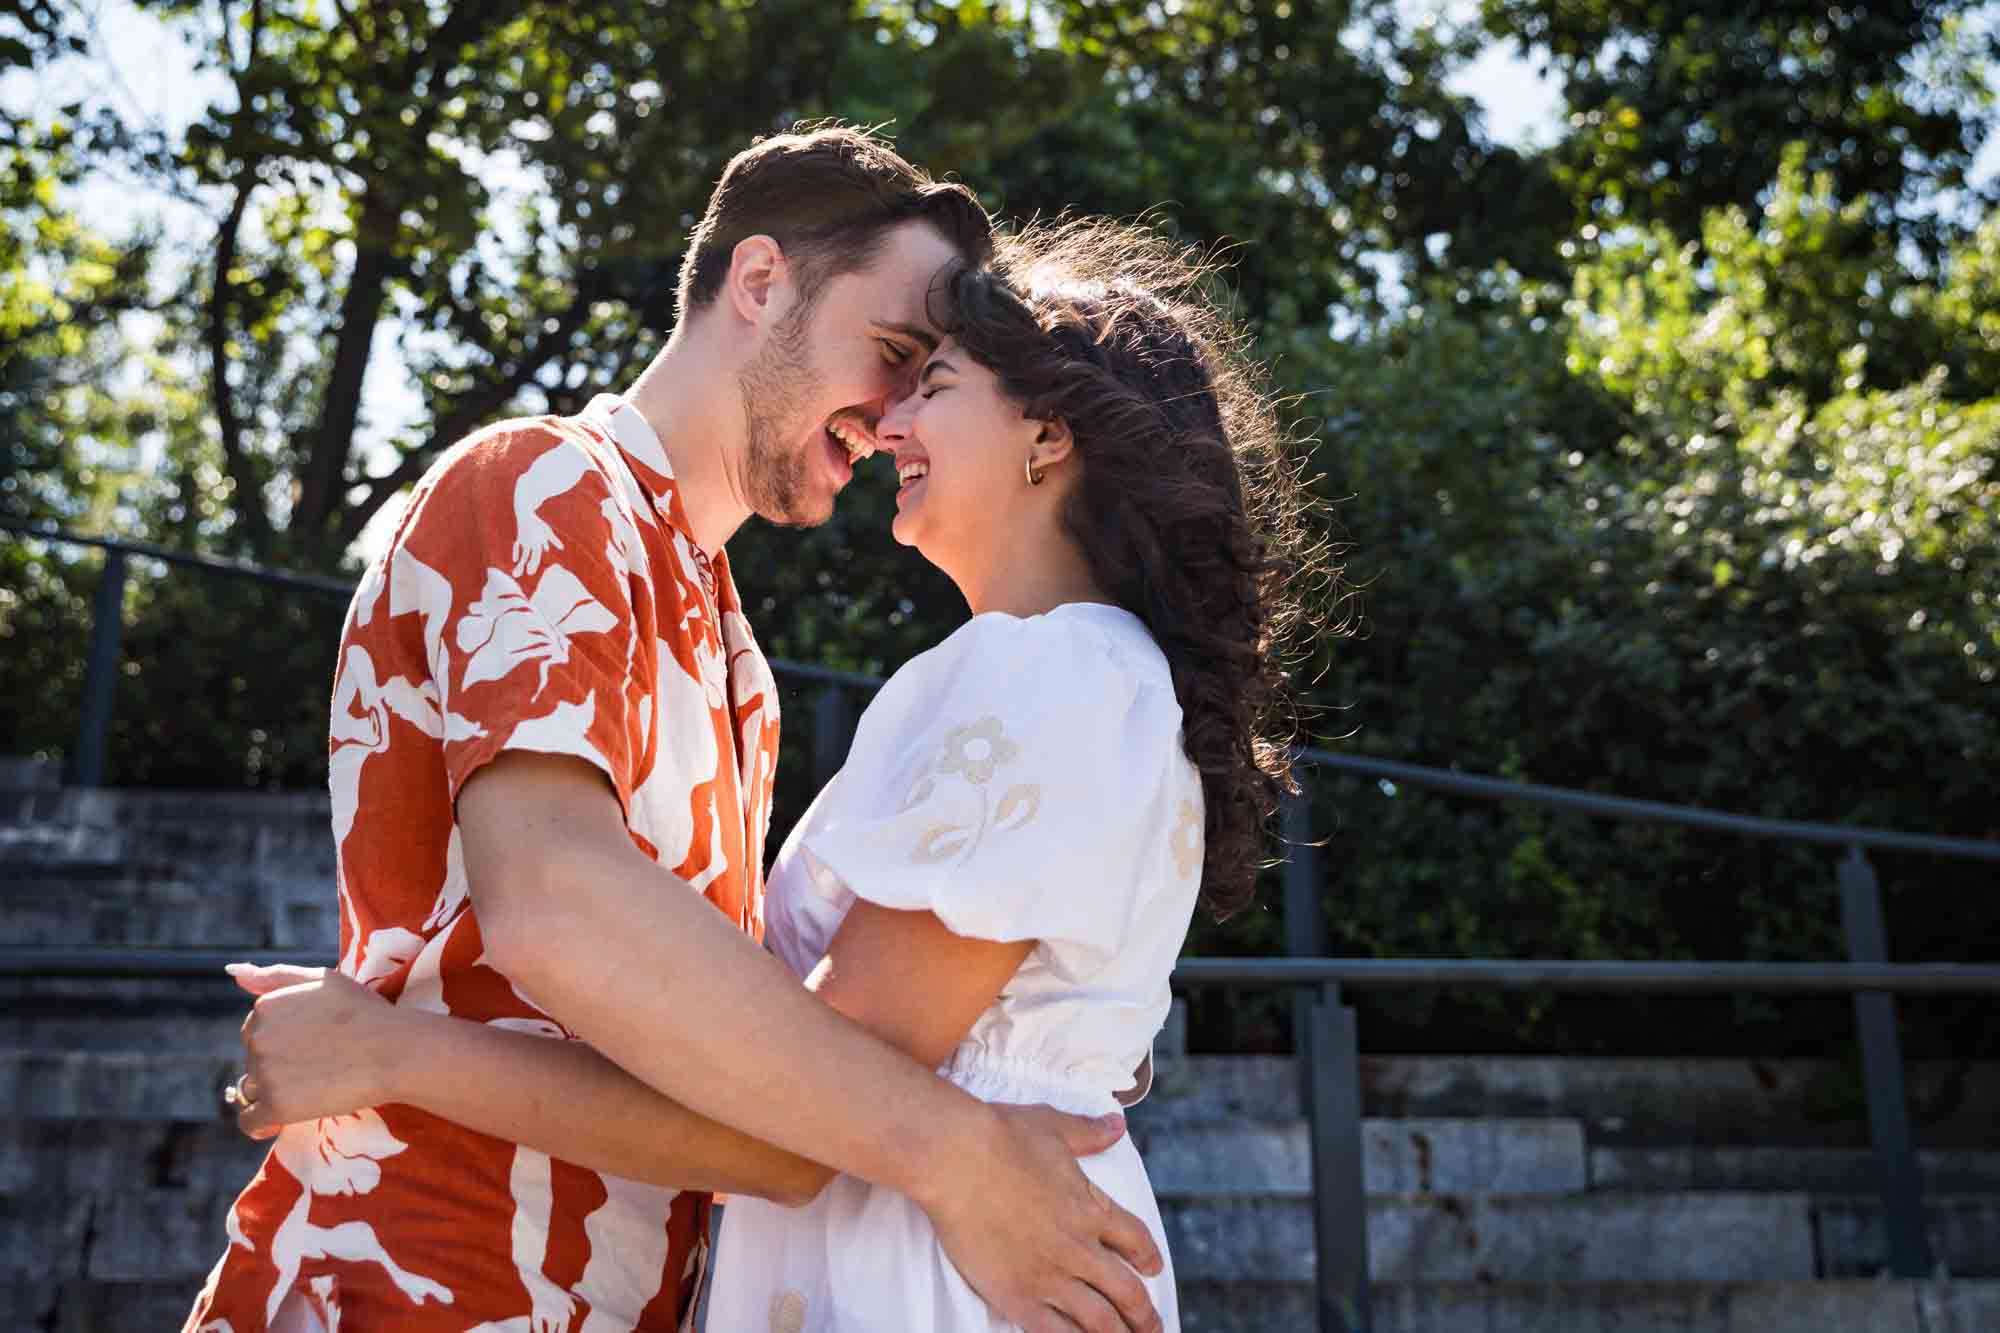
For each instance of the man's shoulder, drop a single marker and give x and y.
(516, 443)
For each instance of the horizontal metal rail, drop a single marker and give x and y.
(1671, 978)
(1653, 812)
(188, 560)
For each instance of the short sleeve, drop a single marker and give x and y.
(524, 588)
(1021, 784)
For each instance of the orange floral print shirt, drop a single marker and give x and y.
(543, 593)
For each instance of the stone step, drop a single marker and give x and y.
(1808, 1170)
(84, 1306)
(219, 843)
(1609, 1307)
(1545, 1156)
(1954, 1104)
(1578, 1238)
(165, 1019)
(115, 1085)
(1964, 1235)
(196, 812)
(1398, 1157)
(54, 1158)
(1282, 1307)
(121, 906)
(130, 1235)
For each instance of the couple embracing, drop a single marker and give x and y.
(570, 1009)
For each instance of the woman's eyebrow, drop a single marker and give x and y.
(932, 368)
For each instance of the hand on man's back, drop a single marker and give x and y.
(1044, 1246)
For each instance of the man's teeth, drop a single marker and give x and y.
(911, 471)
(857, 448)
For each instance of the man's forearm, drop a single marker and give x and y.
(629, 958)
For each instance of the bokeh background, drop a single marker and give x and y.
(1648, 355)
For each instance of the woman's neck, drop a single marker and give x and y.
(1038, 577)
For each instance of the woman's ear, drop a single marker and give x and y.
(1053, 443)
(757, 270)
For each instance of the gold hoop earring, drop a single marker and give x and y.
(1034, 477)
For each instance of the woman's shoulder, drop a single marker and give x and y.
(1078, 645)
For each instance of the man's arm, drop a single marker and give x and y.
(641, 967)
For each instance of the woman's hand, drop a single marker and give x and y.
(316, 1043)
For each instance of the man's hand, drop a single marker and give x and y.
(1045, 1247)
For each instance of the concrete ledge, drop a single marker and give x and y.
(78, 1306)
(56, 1158)
(1964, 1236)
(1689, 1237)
(1815, 1170)
(1398, 1157)
(1611, 1307)
(1621, 1101)
(114, 1085)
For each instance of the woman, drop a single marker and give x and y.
(1039, 801)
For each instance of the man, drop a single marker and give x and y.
(550, 723)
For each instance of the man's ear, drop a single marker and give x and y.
(757, 270)
(1053, 442)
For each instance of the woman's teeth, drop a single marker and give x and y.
(857, 448)
(912, 471)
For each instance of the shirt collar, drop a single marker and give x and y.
(647, 458)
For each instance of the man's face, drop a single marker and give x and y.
(824, 376)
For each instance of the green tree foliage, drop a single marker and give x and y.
(1664, 536)
(66, 426)
(1668, 455)
(1678, 108)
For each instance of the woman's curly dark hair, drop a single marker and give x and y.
(1190, 507)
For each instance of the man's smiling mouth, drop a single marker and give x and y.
(857, 446)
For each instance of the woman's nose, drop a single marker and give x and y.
(894, 427)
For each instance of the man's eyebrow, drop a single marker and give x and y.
(916, 333)
(933, 368)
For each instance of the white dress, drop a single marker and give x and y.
(1023, 780)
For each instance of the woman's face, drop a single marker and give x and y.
(961, 448)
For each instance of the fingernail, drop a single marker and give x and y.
(238, 969)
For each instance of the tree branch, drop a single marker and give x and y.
(360, 313)
(248, 502)
(471, 413)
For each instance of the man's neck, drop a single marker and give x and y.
(688, 396)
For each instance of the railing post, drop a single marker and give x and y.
(831, 728)
(1303, 937)
(1882, 1074)
(1340, 1194)
(100, 673)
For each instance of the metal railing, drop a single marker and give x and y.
(1327, 1044)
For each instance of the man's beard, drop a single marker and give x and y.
(777, 386)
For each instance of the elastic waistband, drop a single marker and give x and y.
(993, 1080)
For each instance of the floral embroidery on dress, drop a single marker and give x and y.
(974, 752)
(1186, 840)
(788, 1313)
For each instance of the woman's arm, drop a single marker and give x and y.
(910, 981)
(320, 1044)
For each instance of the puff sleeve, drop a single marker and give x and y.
(1021, 781)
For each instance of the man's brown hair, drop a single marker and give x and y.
(828, 194)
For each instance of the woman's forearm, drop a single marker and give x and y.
(564, 1099)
